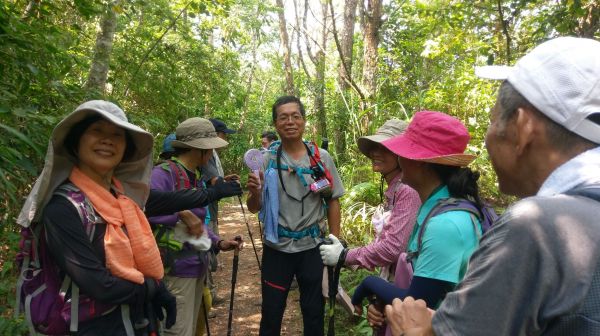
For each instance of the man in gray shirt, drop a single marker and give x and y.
(293, 199)
(537, 271)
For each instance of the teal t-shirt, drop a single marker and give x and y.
(448, 241)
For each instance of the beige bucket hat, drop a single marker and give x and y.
(134, 173)
(197, 133)
(388, 130)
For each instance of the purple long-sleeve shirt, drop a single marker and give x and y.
(404, 204)
(194, 266)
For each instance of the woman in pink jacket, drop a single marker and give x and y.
(393, 221)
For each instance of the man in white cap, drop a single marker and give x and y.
(537, 271)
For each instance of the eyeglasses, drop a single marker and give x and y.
(284, 118)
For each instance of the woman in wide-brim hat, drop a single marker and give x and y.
(393, 220)
(99, 162)
(432, 155)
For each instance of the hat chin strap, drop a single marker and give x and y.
(396, 169)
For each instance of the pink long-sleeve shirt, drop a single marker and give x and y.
(404, 203)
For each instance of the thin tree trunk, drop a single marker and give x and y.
(96, 80)
(32, 9)
(289, 79)
(343, 110)
(347, 44)
(255, 44)
(371, 43)
(320, 78)
(590, 23)
(504, 24)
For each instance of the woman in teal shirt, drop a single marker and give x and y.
(431, 154)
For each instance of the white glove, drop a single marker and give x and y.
(331, 253)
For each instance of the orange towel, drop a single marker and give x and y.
(130, 255)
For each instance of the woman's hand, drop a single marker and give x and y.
(375, 316)
(228, 245)
(194, 223)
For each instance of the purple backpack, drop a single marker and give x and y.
(40, 290)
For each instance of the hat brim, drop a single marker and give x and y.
(228, 131)
(367, 143)
(403, 146)
(201, 143)
(143, 140)
(497, 72)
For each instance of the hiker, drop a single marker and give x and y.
(167, 149)
(100, 162)
(266, 139)
(431, 155)
(393, 221)
(292, 214)
(536, 272)
(212, 173)
(187, 263)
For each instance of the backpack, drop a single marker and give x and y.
(170, 248)
(317, 167)
(40, 291)
(487, 216)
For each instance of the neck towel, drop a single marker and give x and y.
(131, 251)
(269, 212)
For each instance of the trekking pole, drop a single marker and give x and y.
(205, 316)
(234, 271)
(333, 277)
(249, 232)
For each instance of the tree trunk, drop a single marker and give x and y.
(504, 22)
(347, 44)
(344, 78)
(96, 81)
(371, 43)
(590, 23)
(32, 9)
(289, 79)
(320, 78)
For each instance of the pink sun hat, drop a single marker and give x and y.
(433, 137)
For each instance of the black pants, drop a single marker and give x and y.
(278, 269)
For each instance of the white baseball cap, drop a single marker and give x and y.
(561, 78)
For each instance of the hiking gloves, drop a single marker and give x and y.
(223, 188)
(332, 254)
(160, 297)
(164, 299)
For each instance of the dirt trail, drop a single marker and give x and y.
(246, 308)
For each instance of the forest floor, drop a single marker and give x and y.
(247, 300)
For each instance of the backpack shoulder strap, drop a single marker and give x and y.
(180, 176)
(444, 205)
(82, 204)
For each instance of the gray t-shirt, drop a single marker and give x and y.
(299, 208)
(535, 273)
